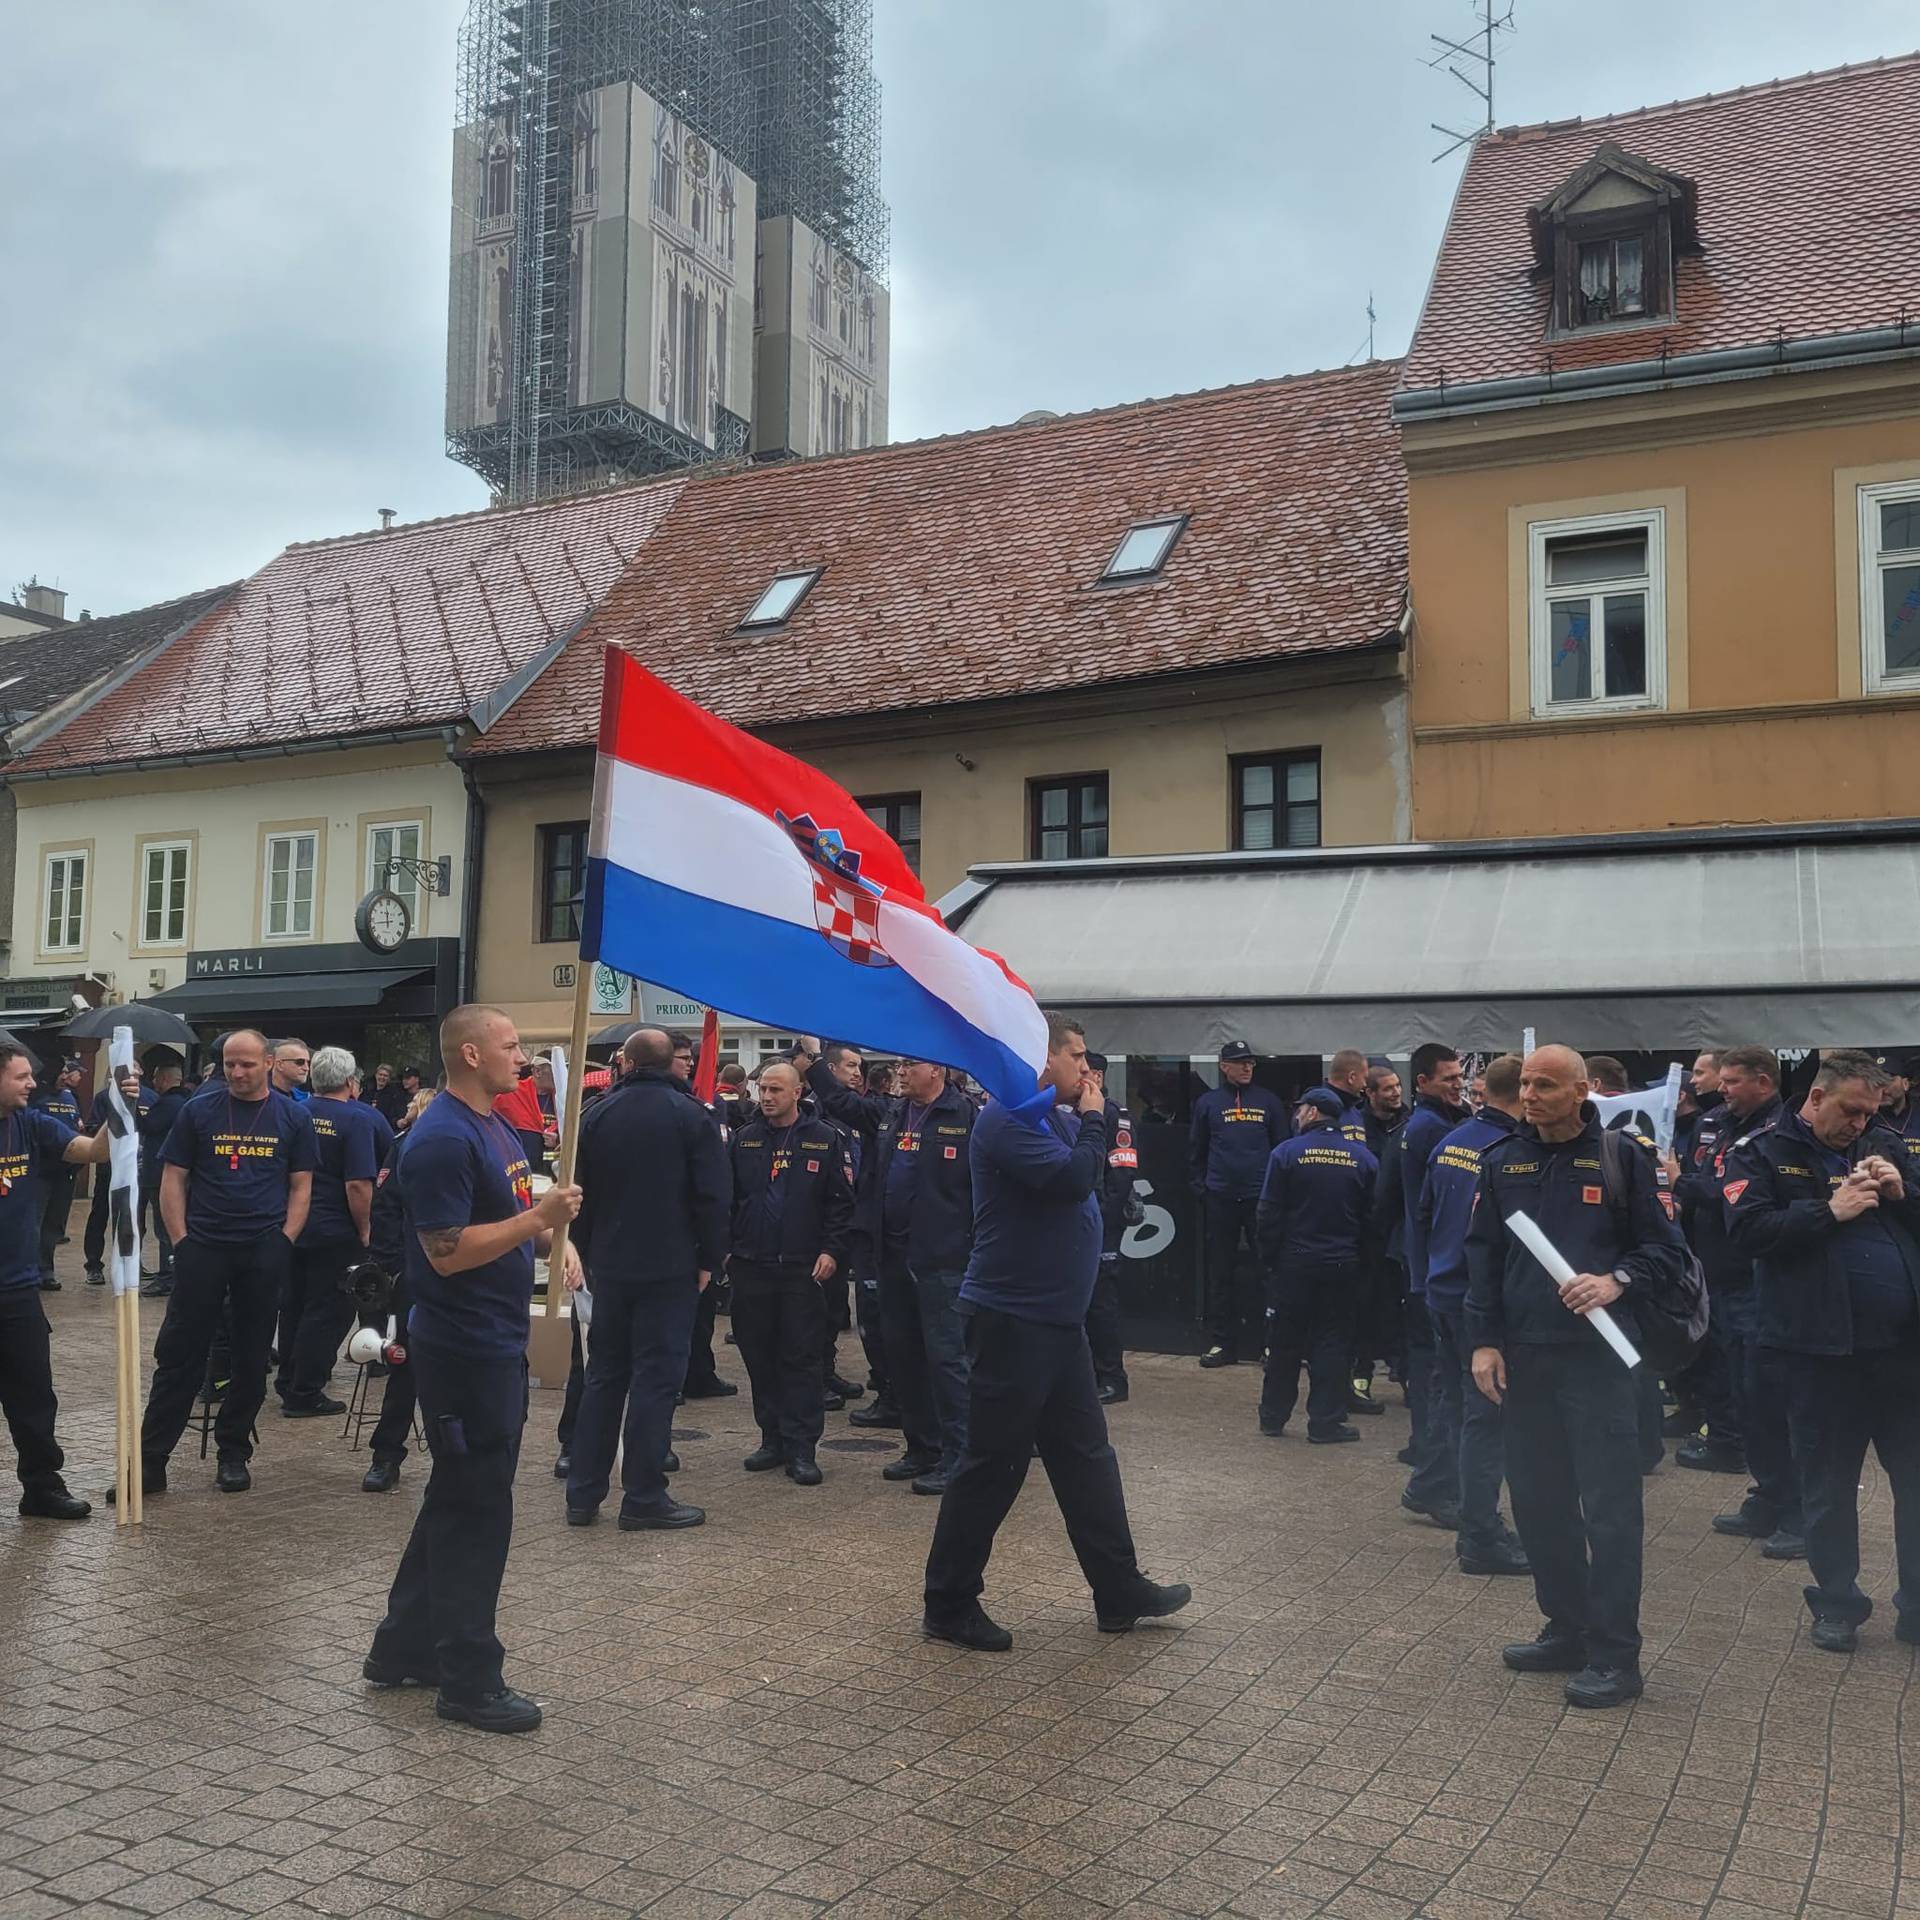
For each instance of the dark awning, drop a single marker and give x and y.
(1792, 937)
(215, 998)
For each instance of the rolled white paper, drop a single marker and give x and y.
(1524, 1229)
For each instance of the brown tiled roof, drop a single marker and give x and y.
(965, 568)
(369, 634)
(38, 670)
(1808, 220)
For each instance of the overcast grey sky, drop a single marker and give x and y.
(225, 222)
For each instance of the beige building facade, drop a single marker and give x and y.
(149, 881)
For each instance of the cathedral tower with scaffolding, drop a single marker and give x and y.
(669, 244)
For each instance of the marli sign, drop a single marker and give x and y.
(221, 966)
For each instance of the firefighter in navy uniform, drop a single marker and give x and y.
(1823, 1204)
(792, 1212)
(1738, 1384)
(1316, 1205)
(913, 1221)
(59, 1100)
(1119, 1209)
(1572, 1413)
(1235, 1127)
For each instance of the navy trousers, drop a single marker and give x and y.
(439, 1622)
(1573, 1468)
(636, 1359)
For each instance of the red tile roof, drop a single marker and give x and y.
(965, 568)
(1807, 213)
(370, 634)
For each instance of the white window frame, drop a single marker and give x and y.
(1652, 521)
(67, 860)
(406, 885)
(168, 848)
(290, 931)
(1874, 676)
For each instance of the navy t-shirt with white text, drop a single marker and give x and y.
(466, 1169)
(239, 1156)
(352, 1141)
(32, 1143)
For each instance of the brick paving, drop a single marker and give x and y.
(744, 1720)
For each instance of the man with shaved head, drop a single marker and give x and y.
(472, 1228)
(792, 1216)
(234, 1193)
(652, 1233)
(1571, 1415)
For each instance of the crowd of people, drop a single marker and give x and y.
(1768, 1265)
(975, 1248)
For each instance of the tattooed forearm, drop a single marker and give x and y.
(442, 1243)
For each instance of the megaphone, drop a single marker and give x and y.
(370, 1344)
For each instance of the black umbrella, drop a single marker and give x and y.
(611, 1039)
(148, 1023)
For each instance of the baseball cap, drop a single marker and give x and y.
(1236, 1050)
(1324, 1100)
(1097, 1061)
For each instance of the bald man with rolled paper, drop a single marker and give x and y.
(1573, 1464)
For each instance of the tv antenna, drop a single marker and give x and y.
(1477, 51)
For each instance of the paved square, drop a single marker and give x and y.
(745, 1720)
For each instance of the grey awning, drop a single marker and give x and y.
(1793, 940)
(213, 999)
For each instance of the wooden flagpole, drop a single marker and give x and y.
(136, 1493)
(122, 1416)
(570, 1125)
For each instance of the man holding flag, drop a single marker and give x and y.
(727, 871)
(1036, 1253)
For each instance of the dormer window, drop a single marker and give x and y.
(1607, 241)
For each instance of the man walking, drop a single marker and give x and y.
(1235, 1126)
(1036, 1246)
(234, 1192)
(351, 1141)
(1315, 1209)
(1484, 1544)
(473, 1227)
(792, 1212)
(33, 1142)
(1571, 1413)
(652, 1234)
(292, 1064)
(1822, 1204)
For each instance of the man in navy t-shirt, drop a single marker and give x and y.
(60, 1100)
(351, 1140)
(236, 1180)
(472, 1230)
(33, 1143)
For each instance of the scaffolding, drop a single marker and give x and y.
(524, 66)
(785, 89)
(816, 118)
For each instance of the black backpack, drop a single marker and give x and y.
(1672, 1326)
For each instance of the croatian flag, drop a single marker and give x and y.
(728, 871)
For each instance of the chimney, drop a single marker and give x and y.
(48, 600)
(387, 516)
